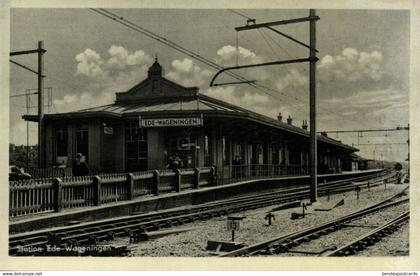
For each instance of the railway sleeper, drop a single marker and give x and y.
(73, 242)
(54, 239)
(304, 239)
(281, 248)
(266, 252)
(156, 226)
(93, 239)
(367, 242)
(110, 235)
(314, 236)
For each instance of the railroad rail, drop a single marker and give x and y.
(370, 238)
(92, 232)
(283, 243)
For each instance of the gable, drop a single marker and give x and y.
(154, 88)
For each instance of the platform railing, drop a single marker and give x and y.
(48, 172)
(237, 173)
(54, 194)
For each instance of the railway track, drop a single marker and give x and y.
(369, 239)
(284, 243)
(92, 232)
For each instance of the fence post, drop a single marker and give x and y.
(130, 186)
(57, 194)
(97, 190)
(155, 183)
(177, 180)
(196, 180)
(212, 177)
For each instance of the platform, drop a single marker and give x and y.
(165, 201)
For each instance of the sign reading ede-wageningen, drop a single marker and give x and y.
(171, 122)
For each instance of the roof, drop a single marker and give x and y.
(156, 95)
(356, 157)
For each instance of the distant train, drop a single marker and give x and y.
(377, 164)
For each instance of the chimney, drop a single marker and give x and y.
(305, 125)
(289, 120)
(279, 117)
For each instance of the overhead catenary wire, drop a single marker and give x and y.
(169, 43)
(187, 52)
(291, 56)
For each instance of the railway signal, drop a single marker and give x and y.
(357, 189)
(270, 217)
(233, 224)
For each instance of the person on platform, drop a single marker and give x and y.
(237, 169)
(177, 162)
(80, 168)
(174, 162)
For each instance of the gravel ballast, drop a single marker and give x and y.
(254, 228)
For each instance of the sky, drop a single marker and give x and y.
(362, 72)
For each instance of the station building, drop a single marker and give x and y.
(157, 118)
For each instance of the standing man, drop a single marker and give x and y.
(80, 168)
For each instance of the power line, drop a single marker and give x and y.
(183, 50)
(290, 56)
(21, 95)
(240, 14)
(275, 54)
(381, 144)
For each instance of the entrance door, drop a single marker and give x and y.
(136, 148)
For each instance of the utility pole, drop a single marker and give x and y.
(312, 106)
(312, 59)
(40, 104)
(28, 106)
(408, 155)
(40, 51)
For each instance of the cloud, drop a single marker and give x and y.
(102, 77)
(89, 63)
(121, 58)
(84, 100)
(67, 99)
(292, 81)
(227, 55)
(120, 61)
(187, 73)
(256, 102)
(352, 65)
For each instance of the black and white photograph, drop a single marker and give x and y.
(224, 133)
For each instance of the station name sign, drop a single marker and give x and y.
(171, 122)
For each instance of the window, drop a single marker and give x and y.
(61, 145)
(61, 140)
(225, 151)
(282, 155)
(275, 157)
(237, 151)
(82, 140)
(136, 147)
(260, 155)
(207, 151)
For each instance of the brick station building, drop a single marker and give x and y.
(158, 118)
